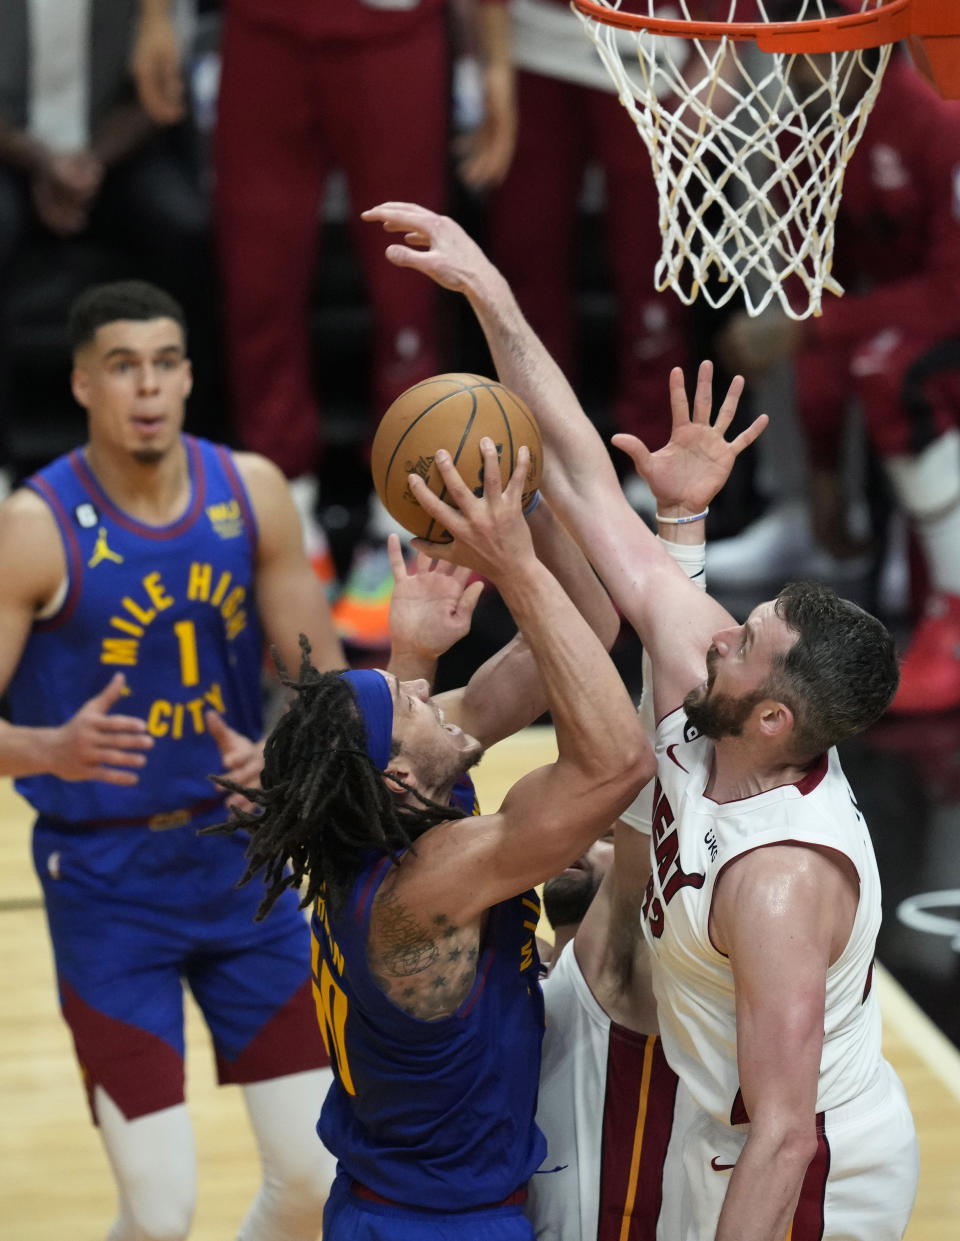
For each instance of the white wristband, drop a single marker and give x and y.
(683, 521)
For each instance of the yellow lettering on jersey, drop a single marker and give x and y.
(332, 1007)
(214, 697)
(222, 586)
(526, 956)
(176, 719)
(138, 612)
(156, 592)
(232, 602)
(158, 718)
(119, 651)
(126, 626)
(236, 624)
(198, 581)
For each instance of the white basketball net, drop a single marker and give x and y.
(749, 169)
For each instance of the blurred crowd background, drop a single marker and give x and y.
(225, 150)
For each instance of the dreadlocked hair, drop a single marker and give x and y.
(322, 804)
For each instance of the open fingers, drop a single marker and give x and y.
(112, 692)
(635, 449)
(134, 730)
(109, 775)
(753, 431)
(397, 563)
(703, 395)
(679, 406)
(727, 410)
(120, 758)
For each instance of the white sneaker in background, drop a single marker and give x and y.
(305, 491)
(380, 524)
(773, 547)
(893, 588)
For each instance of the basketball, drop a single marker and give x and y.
(453, 412)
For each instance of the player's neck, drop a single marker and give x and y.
(154, 492)
(562, 936)
(741, 768)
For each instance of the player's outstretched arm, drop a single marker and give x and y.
(95, 743)
(672, 618)
(506, 692)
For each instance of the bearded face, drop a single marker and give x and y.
(718, 715)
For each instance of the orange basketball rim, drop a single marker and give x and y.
(931, 29)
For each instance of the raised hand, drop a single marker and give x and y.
(432, 603)
(432, 244)
(696, 461)
(242, 758)
(95, 745)
(490, 533)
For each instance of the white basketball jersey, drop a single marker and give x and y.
(610, 1109)
(692, 839)
(565, 1192)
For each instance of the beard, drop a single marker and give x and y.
(442, 771)
(149, 456)
(718, 715)
(566, 898)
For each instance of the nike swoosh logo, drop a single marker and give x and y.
(720, 1167)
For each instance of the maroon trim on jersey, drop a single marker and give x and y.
(738, 1112)
(72, 551)
(229, 466)
(289, 1042)
(140, 1071)
(773, 844)
(482, 974)
(673, 757)
(160, 534)
(808, 1219)
(638, 1108)
(517, 1198)
(813, 776)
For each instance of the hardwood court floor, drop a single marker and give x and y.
(54, 1180)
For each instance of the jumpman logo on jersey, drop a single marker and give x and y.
(102, 552)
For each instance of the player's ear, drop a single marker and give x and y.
(396, 772)
(80, 386)
(776, 718)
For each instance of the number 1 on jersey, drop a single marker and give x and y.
(189, 663)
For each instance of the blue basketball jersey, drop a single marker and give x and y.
(436, 1114)
(172, 608)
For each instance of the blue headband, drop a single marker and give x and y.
(375, 701)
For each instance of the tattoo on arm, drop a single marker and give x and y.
(405, 947)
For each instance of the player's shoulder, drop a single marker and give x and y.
(32, 559)
(265, 482)
(25, 513)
